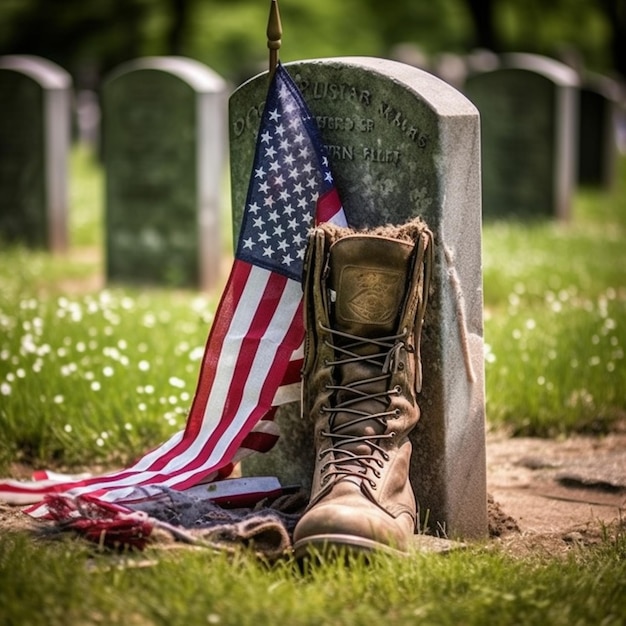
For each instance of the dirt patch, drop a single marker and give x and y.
(545, 496)
(548, 496)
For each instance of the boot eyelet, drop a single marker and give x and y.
(386, 457)
(373, 485)
(398, 389)
(400, 366)
(392, 434)
(396, 412)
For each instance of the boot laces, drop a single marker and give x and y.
(341, 461)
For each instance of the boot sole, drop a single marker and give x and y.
(336, 545)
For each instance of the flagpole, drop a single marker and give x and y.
(274, 34)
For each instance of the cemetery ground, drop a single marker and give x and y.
(91, 376)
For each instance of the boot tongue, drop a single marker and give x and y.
(367, 279)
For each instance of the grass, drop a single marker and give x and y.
(93, 375)
(67, 583)
(555, 319)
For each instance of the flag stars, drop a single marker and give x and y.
(286, 182)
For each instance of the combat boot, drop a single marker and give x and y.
(365, 296)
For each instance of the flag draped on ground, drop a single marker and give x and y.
(253, 352)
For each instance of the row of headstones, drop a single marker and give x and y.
(164, 136)
(545, 129)
(164, 146)
(547, 125)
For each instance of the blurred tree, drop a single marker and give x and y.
(84, 37)
(93, 36)
(483, 18)
(615, 11)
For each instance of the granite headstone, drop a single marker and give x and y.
(35, 111)
(164, 135)
(529, 124)
(597, 141)
(401, 143)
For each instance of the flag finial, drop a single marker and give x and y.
(274, 34)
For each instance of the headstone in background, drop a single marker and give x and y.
(35, 111)
(450, 67)
(597, 146)
(529, 127)
(402, 143)
(164, 121)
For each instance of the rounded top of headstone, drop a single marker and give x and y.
(441, 97)
(45, 72)
(198, 75)
(550, 68)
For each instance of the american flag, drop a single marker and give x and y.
(253, 353)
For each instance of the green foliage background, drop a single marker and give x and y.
(90, 37)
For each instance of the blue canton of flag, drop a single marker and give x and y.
(290, 174)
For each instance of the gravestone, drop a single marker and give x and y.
(35, 110)
(597, 146)
(529, 124)
(401, 143)
(164, 121)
